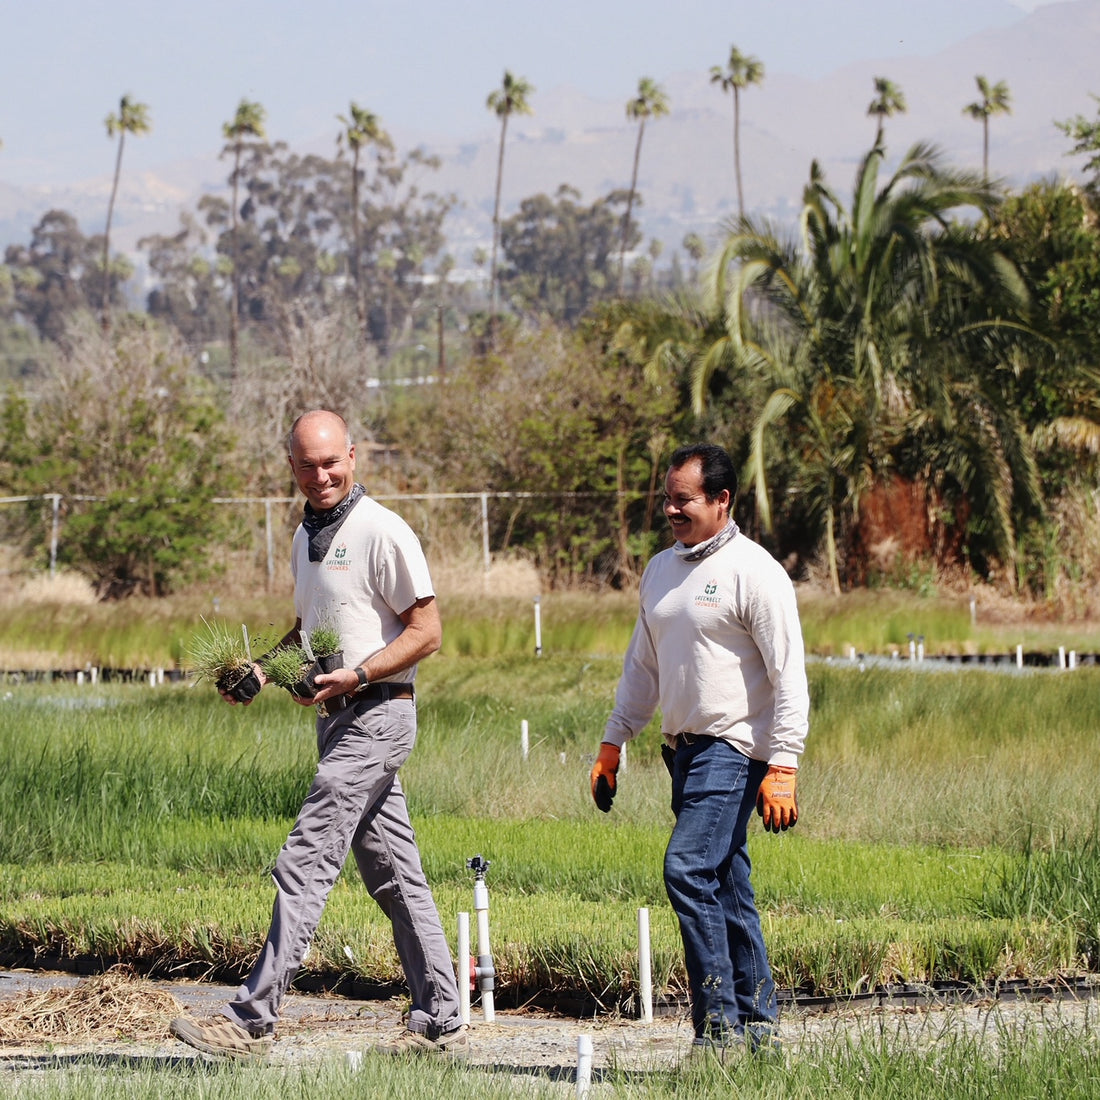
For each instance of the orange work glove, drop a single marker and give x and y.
(776, 802)
(603, 776)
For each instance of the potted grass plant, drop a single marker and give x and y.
(323, 644)
(286, 667)
(223, 655)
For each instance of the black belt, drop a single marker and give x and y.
(691, 738)
(384, 690)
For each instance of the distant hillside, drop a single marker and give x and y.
(1048, 59)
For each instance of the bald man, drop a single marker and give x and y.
(358, 567)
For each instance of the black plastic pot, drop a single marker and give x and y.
(240, 685)
(330, 662)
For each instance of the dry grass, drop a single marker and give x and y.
(114, 1005)
(465, 575)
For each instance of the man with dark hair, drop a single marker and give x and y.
(359, 568)
(718, 649)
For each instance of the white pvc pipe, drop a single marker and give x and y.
(584, 1066)
(538, 628)
(464, 966)
(523, 738)
(1019, 656)
(483, 952)
(1073, 658)
(1062, 656)
(645, 969)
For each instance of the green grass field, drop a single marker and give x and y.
(948, 831)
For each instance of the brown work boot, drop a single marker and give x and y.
(220, 1036)
(450, 1044)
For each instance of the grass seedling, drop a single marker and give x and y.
(219, 654)
(324, 640)
(286, 666)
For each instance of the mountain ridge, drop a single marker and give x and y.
(686, 173)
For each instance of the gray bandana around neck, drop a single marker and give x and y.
(322, 526)
(705, 549)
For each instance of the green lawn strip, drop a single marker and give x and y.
(564, 899)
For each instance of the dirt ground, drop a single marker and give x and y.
(517, 1044)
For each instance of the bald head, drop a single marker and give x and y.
(318, 420)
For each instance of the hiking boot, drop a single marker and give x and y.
(220, 1036)
(450, 1044)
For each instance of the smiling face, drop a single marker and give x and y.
(692, 517)
(322, 460)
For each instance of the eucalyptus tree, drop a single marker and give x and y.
(511, 98)
(246, 125)
(132, 118)
(860, 328)
(558, 254)
(362, 129)
(996, 99)
(889, 101)
(650, 102)
(741, 71)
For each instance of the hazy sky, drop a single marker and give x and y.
(424, 66)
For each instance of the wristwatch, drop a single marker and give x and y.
(361, 676)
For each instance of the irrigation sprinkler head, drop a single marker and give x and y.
(479, 866)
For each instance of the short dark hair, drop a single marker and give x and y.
(717, 467)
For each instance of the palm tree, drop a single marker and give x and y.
(132, 118)
(889, 100)
(507, 100)
(741, 70)
(650, 102)
(860, 330)
(247, 122)
(362, 128)
(996, 100)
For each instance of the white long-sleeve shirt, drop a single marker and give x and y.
(718, 648)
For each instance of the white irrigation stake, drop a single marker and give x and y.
(1062, 657)
(538, 628)
(645, 970)
(1072, 659)
(464, 967)
(523, 738)
(486, 972)
(584, 1066)
(1019, 656)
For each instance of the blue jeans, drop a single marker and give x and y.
(707, 869)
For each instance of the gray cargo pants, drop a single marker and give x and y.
(355, 803)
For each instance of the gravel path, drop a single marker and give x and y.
(318, 1027)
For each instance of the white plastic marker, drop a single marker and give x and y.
(645, 969)
(538, 628)
(247, 647)
(584, 1066)
(306, 647)
(523, 739)
(464, 967)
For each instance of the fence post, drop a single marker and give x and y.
(485, 530)
(270, 546)
(56, 498)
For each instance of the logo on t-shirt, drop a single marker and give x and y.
(709, 596)
(338, 562)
